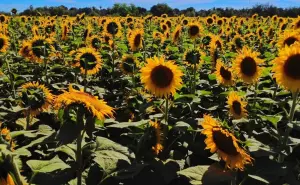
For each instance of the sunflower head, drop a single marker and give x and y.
(158, 147)
(88, 60)
(40, 47)
(35, 97)
(209, 20)
(224, 74)
(4, 43)
(238, 42)
(221, 141)
(193, 56)
(95, 107)
(246, 65)
(176, 34)
(162, 78)
(286, 67)
(95, 42)
(236, 106)
(136, 39)
(113, 27)
(128, 64)
(194, 30)
(288, 38)
(6, 137)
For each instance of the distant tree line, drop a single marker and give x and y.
(122, 9)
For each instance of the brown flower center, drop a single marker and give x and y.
(224, 143)
(137, 40)
(292, 66)
(88, 61)
(237, 107)
(162, 76)
(1, 43)
(210, 21)
(194, 30)
(248, 66)
(226, 74)
(112, 28)
(289, 41)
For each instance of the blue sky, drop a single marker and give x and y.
(7, 5)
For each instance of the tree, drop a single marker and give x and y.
(161, 8)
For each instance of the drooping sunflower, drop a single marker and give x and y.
(36, 97)
(25, 50)
(246, 65)
(221, 141)
(194, 30)
(288, 38)
(216, 41)
(238, 42)
(98, 108)
(158, 147)
(64, 31)
(286, 67)
(161, 77)
(237, 107)
(164, 27)
(113, 27)
(88, 60)
(40, 47)
(128, 64)
(224, 74)
(136, 39)
(176, 34)
(4, 43)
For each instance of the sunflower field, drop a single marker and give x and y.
(149, 100)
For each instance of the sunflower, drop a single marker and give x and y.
(113, 27)
(160, 77)
(225, 144)
(223, 74)
(25, 50)
(8, 180)
(185, 21)
(40, 47)
(158, 36)
(36, 97)
(6, 136)
(95, 42)
(246, 65)
(88, 60)
(98, 108)
(164, 27)
(4, 43)
(136, 39)
(286, 67)
(87, 32)
(296, 24)
(238, 42)
(209, 20)
(64, 31)
(236, 106)
(216, 42)
(176, 34)
(194, 30)
(288, 38)
(128, 64)
(192, 56)
(159, 137)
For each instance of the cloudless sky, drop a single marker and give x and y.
(7, 5)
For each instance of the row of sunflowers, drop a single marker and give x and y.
(149, 100)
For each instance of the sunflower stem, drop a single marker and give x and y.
(144, 47)
(166, 110)
(85, 77)
(79, 158)
(11, 77)
(291, 118)
(27, 119)
(112, 57)
(273, 97)
(194, 78)
(255, 94)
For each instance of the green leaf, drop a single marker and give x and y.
(67, 149)
(271, 118)
(212, 174)
(129, 124)
(39, 166)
